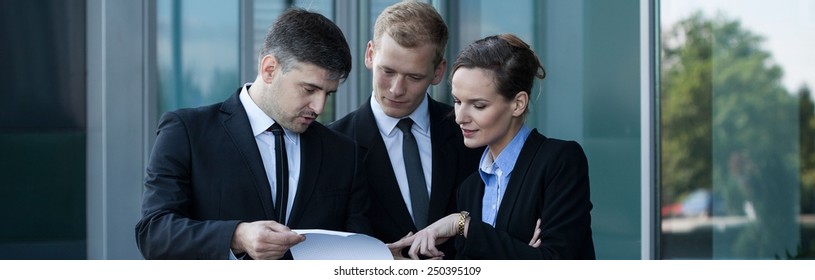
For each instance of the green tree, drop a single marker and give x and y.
(806, 121)
(728, 125)
(686, 107)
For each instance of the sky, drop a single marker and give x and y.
(788, 27)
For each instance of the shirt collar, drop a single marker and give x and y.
(507, 158)
(387, 124)
(258, 120)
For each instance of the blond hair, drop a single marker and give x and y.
(412, 24)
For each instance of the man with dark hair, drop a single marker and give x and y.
(230, 180)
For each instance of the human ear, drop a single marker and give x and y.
(268, 65)
(369, 55)
(439, 73)
(520, 102)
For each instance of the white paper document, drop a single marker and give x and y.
(337, 245)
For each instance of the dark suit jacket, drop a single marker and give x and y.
(206, 175)
(550, 181)
(452, 163)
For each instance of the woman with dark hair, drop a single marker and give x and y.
(528, 186)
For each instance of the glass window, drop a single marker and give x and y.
(266, 11)
(198, 48)
(737, 129)
(197, 51)
(43, 130)
(590, 50)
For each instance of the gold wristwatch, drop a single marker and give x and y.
(461, 219)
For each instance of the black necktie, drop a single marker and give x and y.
(413, 169)
(282, 164)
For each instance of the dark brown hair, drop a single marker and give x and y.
(513, 63)
(302, 36)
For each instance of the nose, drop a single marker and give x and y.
(461, 118)
(398, 85)
(317, 103)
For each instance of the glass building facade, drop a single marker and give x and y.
(696, 116)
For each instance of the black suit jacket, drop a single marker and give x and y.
(452, 163)
(550, 181)
(206, 175)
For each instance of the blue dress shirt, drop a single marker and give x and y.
(496, 172)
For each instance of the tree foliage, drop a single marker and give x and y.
(729, 126)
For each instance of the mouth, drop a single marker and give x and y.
(395, 101)
(467, 133)
(308, 118)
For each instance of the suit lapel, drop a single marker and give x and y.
(311, 149)
(237, 127)
(474, 197)
(444, 160)
(381, 177)
(517, 178)
(366, 138)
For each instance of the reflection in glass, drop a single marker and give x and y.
(43, 130)
(198, 52)
(591, 51)
(736, 131)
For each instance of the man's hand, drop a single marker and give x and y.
(264, 240)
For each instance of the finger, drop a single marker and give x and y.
(277, 227)
(292, 238)
(404, 242)
(270, 251)
(536, 244)
(397, 254)
(414, 248)
(398, 244)
(283, 239)
(430, 249)
(536, 234)
(270, 255)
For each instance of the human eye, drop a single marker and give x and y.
(308, 89)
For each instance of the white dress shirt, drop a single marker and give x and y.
(266, 141)
(392, 137)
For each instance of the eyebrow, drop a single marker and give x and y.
(408, 74)
(470, 100)
(317, 87)
(311, 85)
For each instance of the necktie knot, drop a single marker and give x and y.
(276, 129)
(405, 124)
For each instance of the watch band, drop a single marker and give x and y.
(462, 218)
